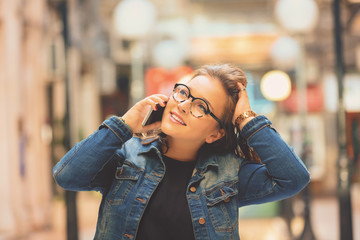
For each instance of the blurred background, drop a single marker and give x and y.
(65, 66)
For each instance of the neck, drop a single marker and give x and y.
(182, 150)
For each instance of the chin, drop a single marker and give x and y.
(171, 130)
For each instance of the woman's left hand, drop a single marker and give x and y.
(243, 105)
(136, 114)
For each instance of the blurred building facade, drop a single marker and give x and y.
(40, 54)
(25, 179)
(43, 62)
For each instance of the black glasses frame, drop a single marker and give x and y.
(193, 99)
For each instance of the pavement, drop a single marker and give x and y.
(324, 219)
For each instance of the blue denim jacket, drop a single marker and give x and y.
(127, 173)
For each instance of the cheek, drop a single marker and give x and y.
(202, 127)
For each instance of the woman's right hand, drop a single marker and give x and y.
(135, 115)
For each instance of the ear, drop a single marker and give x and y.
(219, 133)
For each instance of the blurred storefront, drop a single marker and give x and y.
(77, 67)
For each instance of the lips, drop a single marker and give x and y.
(176, 118)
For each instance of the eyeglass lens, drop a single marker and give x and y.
(198, 107)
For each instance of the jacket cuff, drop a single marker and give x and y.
(254, 125)
(118, 128)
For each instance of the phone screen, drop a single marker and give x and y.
(153, 116)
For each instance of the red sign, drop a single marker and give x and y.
(161, 80)
(314, 101)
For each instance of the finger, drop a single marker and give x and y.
(150, 102)
(163, 97)
(240, 85)
(159, 100)
(243, 102)
(242, 88)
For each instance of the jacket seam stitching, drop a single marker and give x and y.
(252, 134)
(114, 132)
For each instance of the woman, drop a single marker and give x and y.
(190, 182)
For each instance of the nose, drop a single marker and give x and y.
(185, 106)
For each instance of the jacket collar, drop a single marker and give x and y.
(204, 161)
(151, 147)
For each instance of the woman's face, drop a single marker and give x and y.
(179, 123)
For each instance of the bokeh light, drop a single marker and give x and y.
(297, 16)
(275, 85)
(285, 52)
(133, 19)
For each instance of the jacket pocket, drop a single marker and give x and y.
(125, 178)
(222, 207)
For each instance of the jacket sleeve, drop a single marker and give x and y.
(281, 173)
(89, 163)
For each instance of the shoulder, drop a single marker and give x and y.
(229, 162)
(135, 147)
(133, 142)
(226, 164)
(219, 170)
(131, 146)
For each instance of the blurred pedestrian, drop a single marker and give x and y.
(212, 156)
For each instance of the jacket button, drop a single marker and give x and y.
(202, 221)
(193, 189)
(227, 200)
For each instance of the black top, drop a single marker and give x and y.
(167, 215)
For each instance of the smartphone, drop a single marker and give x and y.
(153, 116)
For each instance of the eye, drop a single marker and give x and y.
(180, 93)
(183, 92)
(200, 107)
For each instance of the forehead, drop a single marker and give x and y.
(209, 89)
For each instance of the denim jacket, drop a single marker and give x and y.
(127, 173)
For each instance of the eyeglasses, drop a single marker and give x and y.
(198, 107)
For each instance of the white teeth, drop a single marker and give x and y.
(177, 119)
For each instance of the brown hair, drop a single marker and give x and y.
(229, 75)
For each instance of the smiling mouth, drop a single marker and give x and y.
(177, 119)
